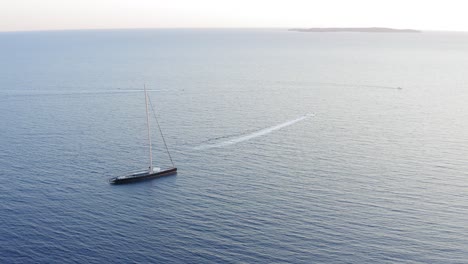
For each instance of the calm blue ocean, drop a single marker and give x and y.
(291, 147)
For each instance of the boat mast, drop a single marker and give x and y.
(149, 134)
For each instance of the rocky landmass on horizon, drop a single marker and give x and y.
(365, 29)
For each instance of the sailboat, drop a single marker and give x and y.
(152, 172)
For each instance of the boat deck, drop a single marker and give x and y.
(138, 176)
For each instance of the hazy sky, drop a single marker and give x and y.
(89, 14)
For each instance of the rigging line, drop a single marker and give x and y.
(160, 131)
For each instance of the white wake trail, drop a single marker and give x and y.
(253, 135)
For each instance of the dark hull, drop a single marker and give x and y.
(158, 174)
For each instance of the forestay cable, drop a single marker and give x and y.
(160, 131)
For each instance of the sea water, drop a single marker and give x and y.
(290, 147)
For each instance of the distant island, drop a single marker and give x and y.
(367, 29)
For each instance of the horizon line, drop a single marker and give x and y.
(207, 28)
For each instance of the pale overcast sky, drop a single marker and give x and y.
(97, 14)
